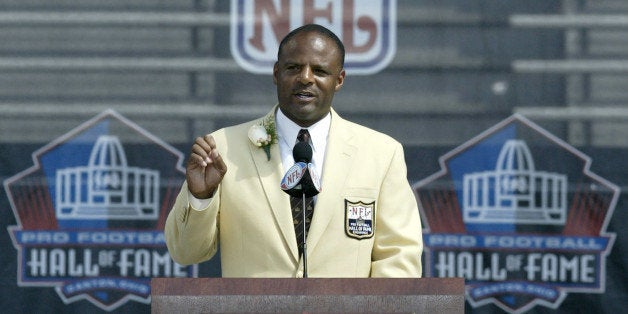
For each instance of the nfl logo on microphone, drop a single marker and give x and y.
(367, 28)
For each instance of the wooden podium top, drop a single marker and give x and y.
(311, 295)
(307, 286)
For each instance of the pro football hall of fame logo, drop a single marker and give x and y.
(517, 213)
(91, 210)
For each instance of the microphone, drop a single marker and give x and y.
(301, 178)
(301, 181)
(302, 152)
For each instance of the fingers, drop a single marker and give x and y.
(202, 150)
(219, 164)
(205, 169)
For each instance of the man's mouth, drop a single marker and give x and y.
(304, 95)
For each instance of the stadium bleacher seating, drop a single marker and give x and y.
(460, 67)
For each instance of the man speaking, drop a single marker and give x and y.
(359, 217)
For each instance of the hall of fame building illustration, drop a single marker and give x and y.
(107, 188)
(515, 192)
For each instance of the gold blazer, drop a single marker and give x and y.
(250, 216)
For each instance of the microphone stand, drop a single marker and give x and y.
(304, 236)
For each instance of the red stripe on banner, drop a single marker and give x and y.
(20, 203)
(430, 214)
(596, 203)
(34, 205)
(428, 209)
(49, 209)
(38, 210)
(588, 223)
(442, 212)
(165, 206)
(586, 215)
(603, 201)
(601, 212)
(27, 211)
(591, 209)
(574, 217)
(456, 216)
(437, 210)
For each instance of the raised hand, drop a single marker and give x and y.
(205, 168)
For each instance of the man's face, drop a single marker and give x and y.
(307, 75)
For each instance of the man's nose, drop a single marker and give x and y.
(306, 76)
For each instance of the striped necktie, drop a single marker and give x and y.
(297, 205)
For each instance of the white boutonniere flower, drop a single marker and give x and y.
(264, 134)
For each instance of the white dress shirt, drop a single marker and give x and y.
(287, 132)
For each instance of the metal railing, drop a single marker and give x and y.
(115, 18)
(187, 64)
(588, 113)
(570, 21)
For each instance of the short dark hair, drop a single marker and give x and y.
(315, 28)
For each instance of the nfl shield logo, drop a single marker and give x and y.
(367, 29)
(359, 219)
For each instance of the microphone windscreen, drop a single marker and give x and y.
(302, 152)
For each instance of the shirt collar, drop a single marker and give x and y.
(287, 130)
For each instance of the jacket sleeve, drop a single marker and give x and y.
(398, 242)
(192, 235)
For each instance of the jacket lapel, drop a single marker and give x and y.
(338, 159)
(270, 173)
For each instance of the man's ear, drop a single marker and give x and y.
(275, 71)
(340, 79)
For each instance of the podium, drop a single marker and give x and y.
(312, 295)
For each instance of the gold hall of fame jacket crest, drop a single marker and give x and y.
(359, 219)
